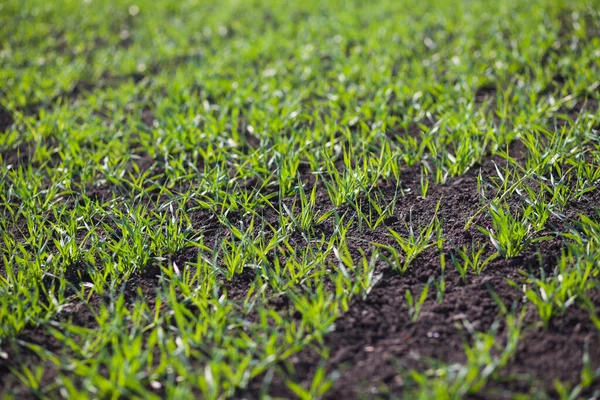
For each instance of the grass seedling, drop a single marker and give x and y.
(589, 376)
(510, 234)
(319, 386)
(471, 260)
(417, 242)
(376, 212)
(424, 183)
(308, 216)
(486, 356)
(414, 305)
(553, 295)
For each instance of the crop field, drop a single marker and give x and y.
(304, 200)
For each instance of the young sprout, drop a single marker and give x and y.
(471, 260)
(510, 234)
(319, 386)
(417, 241)
(309, 215)
(414, 306)
(485, 353)
(537, 210)
(424, 183)
(376, 214)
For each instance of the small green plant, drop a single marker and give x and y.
(378, 208)
(553, 295)
(308, 216)
(319, 386)
(414, 305)
(537, 209)
(485, 357)
(510, 234)
(471, 260)
(417, 241)
(424, 183)
(589, 376)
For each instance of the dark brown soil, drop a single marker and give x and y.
(6, 119)
(376, 340)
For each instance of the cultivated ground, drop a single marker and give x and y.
(338, 199)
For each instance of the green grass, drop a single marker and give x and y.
(273, 132)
